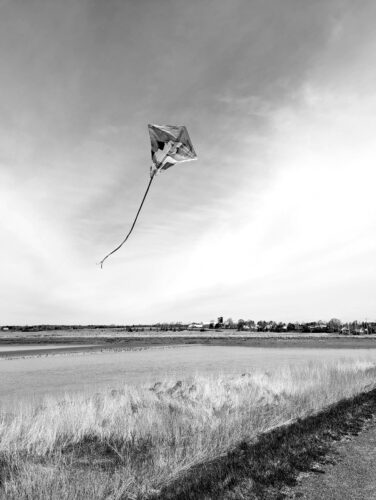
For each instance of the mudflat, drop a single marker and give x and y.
(121, 339)
(25, 350)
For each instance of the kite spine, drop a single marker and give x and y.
(134, 223)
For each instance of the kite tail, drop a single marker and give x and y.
(134, 223)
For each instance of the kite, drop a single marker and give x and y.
(170, 144)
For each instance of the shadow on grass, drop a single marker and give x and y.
(109, 455)
(260, 470)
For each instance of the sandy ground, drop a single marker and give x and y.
(351, 476)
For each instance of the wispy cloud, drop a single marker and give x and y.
(278, 210)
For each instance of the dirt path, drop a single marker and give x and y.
(352, 476)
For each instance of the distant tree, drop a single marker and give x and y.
(272, 326)
(290, 327)
(261, 325)
(241, 324)
(354, 328)
(229, 323)
(335, 325)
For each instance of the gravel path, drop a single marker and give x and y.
(352, 476)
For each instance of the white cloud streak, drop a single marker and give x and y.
(276, 219)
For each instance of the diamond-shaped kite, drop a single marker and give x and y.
(170, 144)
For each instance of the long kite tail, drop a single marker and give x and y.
(134, 223)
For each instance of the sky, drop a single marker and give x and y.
(276, 220)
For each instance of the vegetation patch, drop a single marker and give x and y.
(214, 436)
(262, 468)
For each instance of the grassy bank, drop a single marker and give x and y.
(138, 443)
(269, 467)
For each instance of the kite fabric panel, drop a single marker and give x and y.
(170, 144)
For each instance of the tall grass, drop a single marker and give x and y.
(128, 443)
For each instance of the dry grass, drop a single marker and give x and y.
(130, 443)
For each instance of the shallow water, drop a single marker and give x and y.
(40, 347)
(25, 380)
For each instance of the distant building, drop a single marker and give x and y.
(360, 331)
(320, 326)
(196, 326)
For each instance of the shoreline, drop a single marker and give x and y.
(84, 345)
(45, 353)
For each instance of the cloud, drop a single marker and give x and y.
(279, 103)
(313, 228)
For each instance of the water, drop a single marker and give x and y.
(39, 347)
(32, 378)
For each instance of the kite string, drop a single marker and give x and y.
(134, 223)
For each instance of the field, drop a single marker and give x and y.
(135, 440)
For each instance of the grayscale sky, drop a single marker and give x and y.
(276, 219)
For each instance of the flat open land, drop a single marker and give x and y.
(136, 416)
(120, 338)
